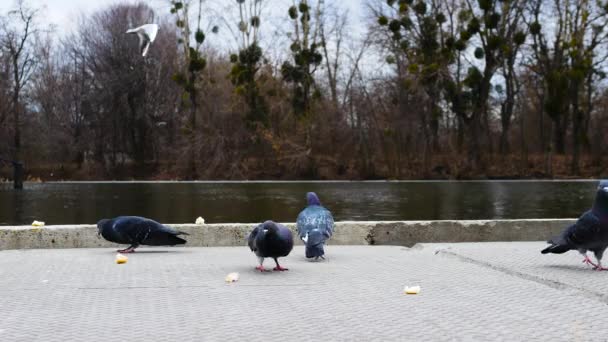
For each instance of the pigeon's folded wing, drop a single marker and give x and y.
(315, 217)
(134, 229)
(587, 230)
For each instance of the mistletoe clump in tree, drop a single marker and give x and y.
(189, 78)
(306, 59)
(246, 63)
(498, 29)
(435, 48)
(415, 31)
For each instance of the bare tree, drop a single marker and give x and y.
(567, 57)
(18, 41)
(333, 24)
(118, 105)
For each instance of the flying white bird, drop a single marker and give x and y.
(146, 34)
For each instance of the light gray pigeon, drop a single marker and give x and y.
(588, 233)
(315, 225)
(146, 34)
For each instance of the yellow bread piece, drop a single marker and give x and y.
(411, 289)
(121, 259)
(232, 277)
(37, 223)
(200, 221)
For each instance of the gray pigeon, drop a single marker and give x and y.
(589, 233)
(147, 34)
(315, 225)
(270, 240)
(135, 231)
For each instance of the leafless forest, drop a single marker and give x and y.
(434, 89)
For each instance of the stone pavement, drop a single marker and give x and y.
(470, 292)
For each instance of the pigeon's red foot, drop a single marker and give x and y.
(126, 250)
(588, 261)
(261, 268)
(600, 268)
(279, 268)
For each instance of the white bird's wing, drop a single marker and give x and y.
(147, 34)
(144, 45)
(151, 30)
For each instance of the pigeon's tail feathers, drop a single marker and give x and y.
(175, 240)
(164, 240)
(315, 237)
(131, 31)
(314, 251)
(556, 249)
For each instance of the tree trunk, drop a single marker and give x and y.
(191, 173)
(577, 122)
(506, 113)
(434, 125)
(559, 134)
(524, 146)
(576, 143)
(504, 138)
(192, 157)
(549, 153)
(474, 158)
(488, 132)
(16, 111)
(17, 128)
(435, 116)
(460, 136)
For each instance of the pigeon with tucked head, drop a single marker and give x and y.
(135, 231)
(315, 225)
(270, 240)
(588, 233)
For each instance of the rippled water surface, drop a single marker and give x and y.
(63, 203)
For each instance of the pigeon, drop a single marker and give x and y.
(135, 231)
(146, 34)
(315, 225)
(589, 233)
(270, 240)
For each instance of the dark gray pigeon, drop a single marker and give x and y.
(315, 225)
(270, 240)
(589, 233)
(135, 231)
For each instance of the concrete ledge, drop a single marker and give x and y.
(401, 233)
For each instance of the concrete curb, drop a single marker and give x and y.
(401, 233)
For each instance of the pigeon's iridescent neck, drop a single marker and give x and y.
(312, 199)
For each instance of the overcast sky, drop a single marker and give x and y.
(63, 13)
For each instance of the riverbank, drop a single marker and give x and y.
(398, 233)
(440, 167)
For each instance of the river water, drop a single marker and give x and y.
(246, 202)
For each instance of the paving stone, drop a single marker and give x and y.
(470, 292)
